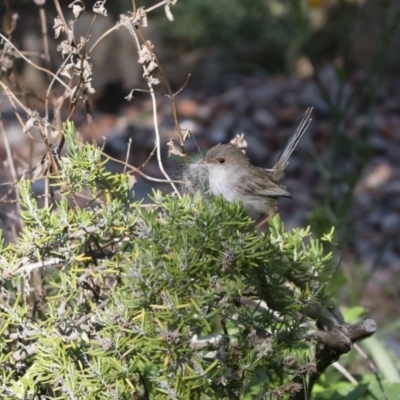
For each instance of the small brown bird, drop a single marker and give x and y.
(231, 174)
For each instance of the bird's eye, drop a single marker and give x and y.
(221, 160)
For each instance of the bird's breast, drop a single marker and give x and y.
(221, 183)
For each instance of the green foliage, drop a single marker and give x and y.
(369, 389)
(206, 22)
(266, 33)
(149, 301)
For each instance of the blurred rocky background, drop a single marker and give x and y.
(255, 66)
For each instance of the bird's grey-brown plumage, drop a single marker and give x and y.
(231, 173)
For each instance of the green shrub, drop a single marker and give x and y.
(157, 302)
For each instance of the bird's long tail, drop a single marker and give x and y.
(295, 136)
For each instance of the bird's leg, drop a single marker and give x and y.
(271, 211)
(262, 220)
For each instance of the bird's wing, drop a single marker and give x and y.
(262, 184)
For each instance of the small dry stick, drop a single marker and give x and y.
(154, 107)
(128, 150)
(11, 164)
(372, 367)
(345, 373)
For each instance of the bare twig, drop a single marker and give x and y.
(148, 158)
(43, 24)
(32, 63)
(158, 144)
(344, 372)
(373, 368)
(8, 17)
(119, 24)
(128, 150)
(11, 164)
(183, 86)
(170, 92)
(154, 107)
(61, 15)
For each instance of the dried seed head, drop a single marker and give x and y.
(227, 260)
